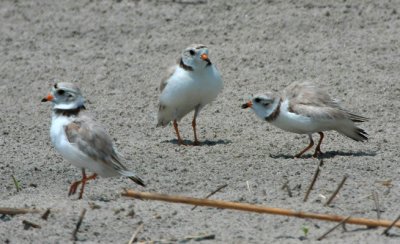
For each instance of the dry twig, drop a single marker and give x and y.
(212, 193)
(46, 214)
(200, 237)
(185, 239)
(386, 231)
(375, 196)
(287, 188)
(78, 225)
(248, 186)
(313, 180)
(387, 183)
(332, 229)
(28, 224)
(139, 228)
(14, 211)
(336, 191)
(190, 2)
(253, 208)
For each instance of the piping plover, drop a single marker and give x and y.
(81, 140)
(190, 85)
(305, 109)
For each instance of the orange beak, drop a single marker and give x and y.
(204, 56)
(49, 97)
(247, 105)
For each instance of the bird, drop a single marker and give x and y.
(190, 85)
(305, 108)
(80, 140)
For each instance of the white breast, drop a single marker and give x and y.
(70, 152)
(185, 90)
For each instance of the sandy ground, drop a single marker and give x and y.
(118, 51)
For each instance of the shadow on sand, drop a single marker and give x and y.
(329, 154)
(202, 143)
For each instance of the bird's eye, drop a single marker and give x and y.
(192, 52)
(60, 92)
(257, 100)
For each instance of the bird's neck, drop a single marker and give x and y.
(68, 112)
(273, 113)
(185, 66)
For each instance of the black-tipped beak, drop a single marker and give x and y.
(47, 98)
(247, 105)
(205, 58)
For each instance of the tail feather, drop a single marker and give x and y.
(357, 118)
(137, 180)
(361, 133)
(132, 176)
(355, 133)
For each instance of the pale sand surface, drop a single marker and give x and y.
(118, 51)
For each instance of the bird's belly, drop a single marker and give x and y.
(71, 153)
(183, 96)
(75, 156)
(191, 93)
(81, 160)
(301, 124)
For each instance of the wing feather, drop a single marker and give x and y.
(93, 140)
(310, 100)
(164, 80)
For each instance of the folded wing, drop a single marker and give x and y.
(94, 141)
(309, 100)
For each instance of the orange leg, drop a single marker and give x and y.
(196, 112)
(180, 141)
(318, 149)
(74, 186)
(196, 142)
(306, 149)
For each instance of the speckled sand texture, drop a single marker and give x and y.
(118, 51)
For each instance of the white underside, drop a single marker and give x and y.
(187, 90)
(303, 124)
(71, 152)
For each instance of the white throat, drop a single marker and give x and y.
(267, 113)
(76, 104)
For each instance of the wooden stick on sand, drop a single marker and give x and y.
(78, 225)
(14, 211)
(212, 193)
(255, 208)
(336, 191)
(314, 179)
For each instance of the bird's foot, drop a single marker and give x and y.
(73, 187)
(317, 153)
(181, 143)
(196, 143)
